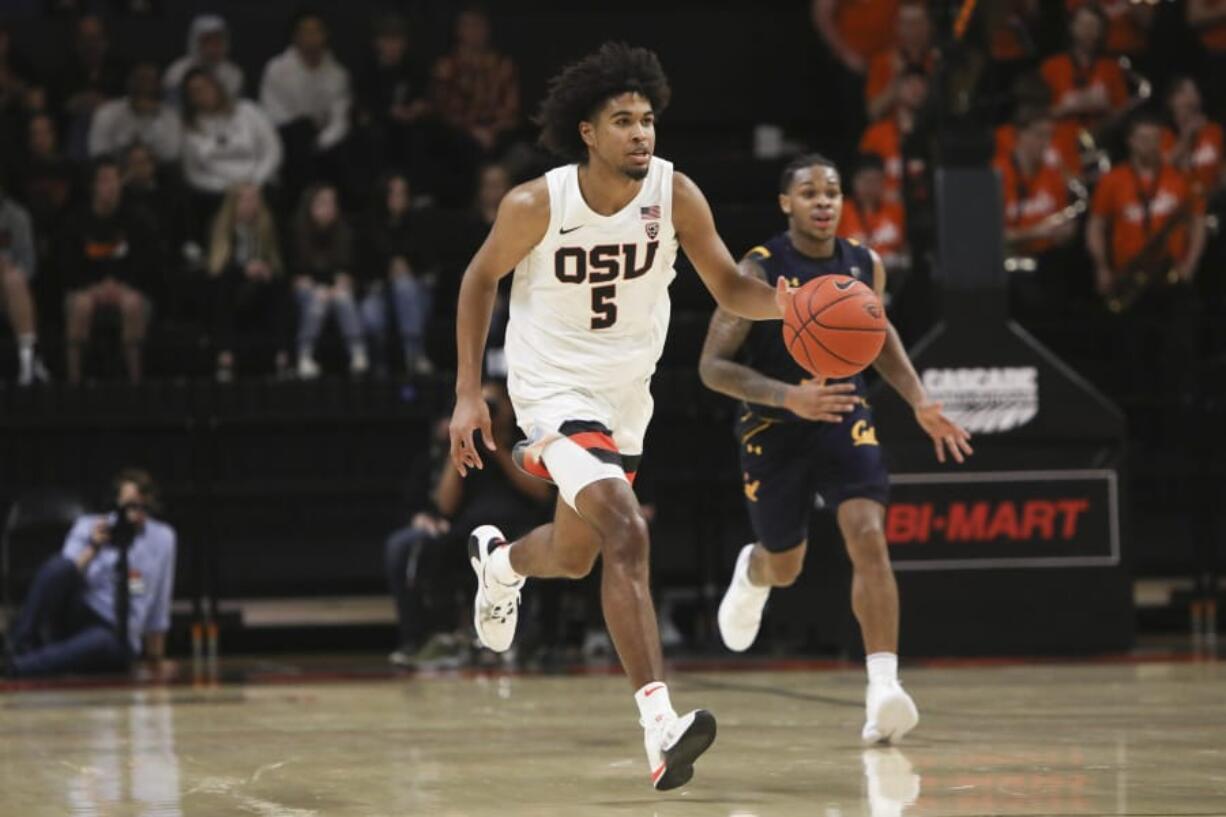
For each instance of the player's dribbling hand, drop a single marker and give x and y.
(783, 296)
(471, 414)
(814, 400)
(945, 433)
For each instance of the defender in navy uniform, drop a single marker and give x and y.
(799, 437)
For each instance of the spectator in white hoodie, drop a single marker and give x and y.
(208, 47)
(138, 117)
(306, 93)
(225, 143)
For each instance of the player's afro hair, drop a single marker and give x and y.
(578, 92)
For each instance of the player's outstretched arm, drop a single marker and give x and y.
(745, 297)
(895, 368)
(721, 372)
(520, 225)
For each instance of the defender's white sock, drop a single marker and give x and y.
(882, 668)
(747, 583)
(25, 353)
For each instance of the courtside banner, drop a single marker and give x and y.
(1003, 519)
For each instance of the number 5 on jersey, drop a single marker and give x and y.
(600, 266)
(604, 306)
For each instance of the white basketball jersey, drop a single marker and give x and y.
(589, 304)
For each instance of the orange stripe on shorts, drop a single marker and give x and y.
(594, 439)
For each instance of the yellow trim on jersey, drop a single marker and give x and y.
(751, 488)
(760, 251)
(748, 435)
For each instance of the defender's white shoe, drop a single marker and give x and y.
(673, 746)
(890, 713)
(496, 606)
(740, 612)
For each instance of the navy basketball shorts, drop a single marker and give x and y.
(785, 464)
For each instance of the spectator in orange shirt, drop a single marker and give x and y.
(914, 49)
(887, 137)
(1035, 193)
(1038, 222)
(1195, 146)
(870, 219)
(1029, 92)
(852, 31)
(855, 30)
(1128, 25)
(1006, 142)
(1133, 203)
(1130, 232)
(1086, 87)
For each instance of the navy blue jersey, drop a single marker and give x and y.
(763, 349)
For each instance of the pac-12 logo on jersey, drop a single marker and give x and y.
(602, 265)
(653, 229)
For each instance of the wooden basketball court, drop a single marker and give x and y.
(1122, 739)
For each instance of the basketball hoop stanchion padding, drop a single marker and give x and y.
(1021, 550)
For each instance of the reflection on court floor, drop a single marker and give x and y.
(1141, 739)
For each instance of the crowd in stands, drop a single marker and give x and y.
(260, 208)
(1109, 157)
(267, 207)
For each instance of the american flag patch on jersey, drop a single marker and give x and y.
(650, 212)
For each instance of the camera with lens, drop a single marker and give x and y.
(122, 524)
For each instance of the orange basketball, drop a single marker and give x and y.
(835, 326)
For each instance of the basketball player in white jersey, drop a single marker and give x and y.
(592, 244)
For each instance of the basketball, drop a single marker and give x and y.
(835, 327)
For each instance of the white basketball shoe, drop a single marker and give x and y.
(889, 713)
(740, 612)
(496, 606)
(674, 744)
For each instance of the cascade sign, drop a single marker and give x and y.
(986, 400)
(1010, 519)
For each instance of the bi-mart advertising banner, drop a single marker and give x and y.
(1022, 549)
(968, 520)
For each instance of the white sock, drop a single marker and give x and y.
(654, 705)
(499, 567)
(882, 668)
(748, 583)
(25, 351)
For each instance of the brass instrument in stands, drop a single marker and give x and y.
(1151, 266)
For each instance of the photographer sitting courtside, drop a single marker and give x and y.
(72, 620)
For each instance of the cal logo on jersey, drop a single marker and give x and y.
(863, 434)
